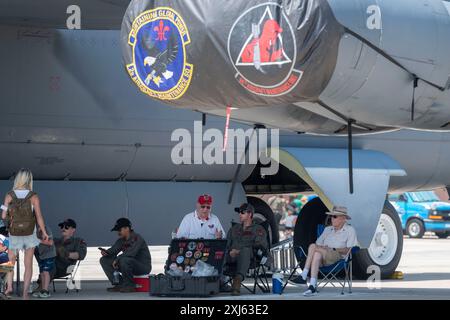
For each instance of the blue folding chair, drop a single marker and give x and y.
(329, 273)
(300, 253)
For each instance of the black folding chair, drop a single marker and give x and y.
(258, 267)
(258, 273)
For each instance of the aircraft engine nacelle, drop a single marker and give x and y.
(381, 63)
(238, 53)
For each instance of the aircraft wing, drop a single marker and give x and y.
(95, 14)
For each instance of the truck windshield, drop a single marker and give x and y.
(424, 196)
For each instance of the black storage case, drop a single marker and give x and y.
(188, 286)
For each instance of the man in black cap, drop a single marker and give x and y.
(243, 239)
(134, 260)
(69, 249)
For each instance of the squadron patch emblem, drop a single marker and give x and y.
(158, 40)
(262, 48)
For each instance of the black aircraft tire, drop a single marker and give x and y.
(305, 232)
(262, 208)
(362, 260)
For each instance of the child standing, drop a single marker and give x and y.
(45, 256)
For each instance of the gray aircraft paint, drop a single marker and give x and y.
(366, 85)
(155, 208)
(96, 14)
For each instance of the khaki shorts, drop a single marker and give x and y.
(331, 257)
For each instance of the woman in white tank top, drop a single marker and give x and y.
(23, 185)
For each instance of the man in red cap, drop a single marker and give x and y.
(201, 224)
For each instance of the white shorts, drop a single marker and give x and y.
(23, 242)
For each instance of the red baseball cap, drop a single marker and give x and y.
(205, 199)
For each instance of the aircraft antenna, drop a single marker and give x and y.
(413, 103)
(238, 169)
(350, 154)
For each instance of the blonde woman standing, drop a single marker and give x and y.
(22, 209)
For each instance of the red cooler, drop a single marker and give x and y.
(142, 283)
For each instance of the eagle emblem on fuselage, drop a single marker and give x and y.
(158, 39)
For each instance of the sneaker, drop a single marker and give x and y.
(37, 289)
(114, 289)
(44, 294)
(128, 289)
(36, 294)
(225, 288)
(8, 294)
(298, 280)
(310, 292)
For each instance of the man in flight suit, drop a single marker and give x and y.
(69, 249)
(243, 239)
(134, 260)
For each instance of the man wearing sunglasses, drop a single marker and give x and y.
(334, 243)
(243, 239)
(69, 249)
(201, 224)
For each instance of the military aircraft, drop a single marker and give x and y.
(345, 81)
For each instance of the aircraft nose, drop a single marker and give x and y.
(210, 54)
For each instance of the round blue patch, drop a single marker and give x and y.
(158, 38)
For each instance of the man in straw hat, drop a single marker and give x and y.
(334, 243)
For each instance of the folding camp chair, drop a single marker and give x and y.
(69, 277)
(258, 267)
(300, 253)
(328, 273)
(257, 272)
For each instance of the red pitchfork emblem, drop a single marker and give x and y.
(161, 30)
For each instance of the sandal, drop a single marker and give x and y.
(4, 296)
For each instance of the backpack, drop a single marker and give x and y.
(21, 215)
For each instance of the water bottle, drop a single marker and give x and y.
(116, 278)
(263, 261)
(277, 283)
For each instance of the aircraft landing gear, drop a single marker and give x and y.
(385, 250)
